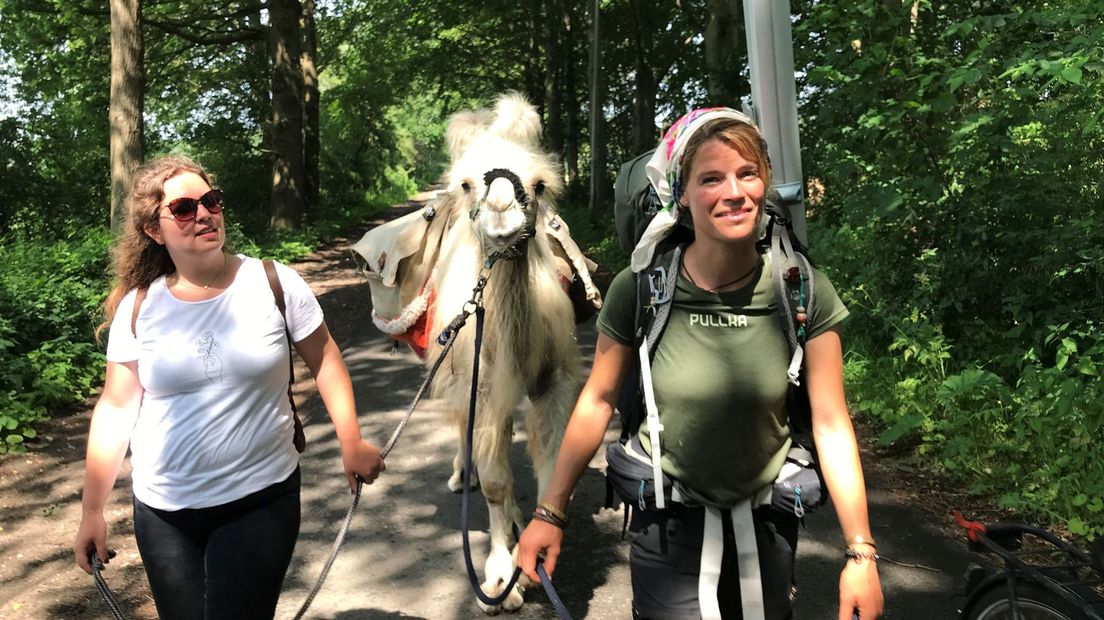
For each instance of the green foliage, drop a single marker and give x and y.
(594, 233)
(956, 152)
(50, 296)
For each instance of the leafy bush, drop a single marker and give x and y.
(954, 152)
(50, 296)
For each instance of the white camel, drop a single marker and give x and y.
(499, 200)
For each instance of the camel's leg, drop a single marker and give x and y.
(456, 480)
(546, 422)
(497, 482)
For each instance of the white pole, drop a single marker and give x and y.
(774, 99)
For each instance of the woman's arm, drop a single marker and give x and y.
(839, 460)
(323, 357)
(583, 436)
(108, 437)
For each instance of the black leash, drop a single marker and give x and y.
(546, 581)
(101, 585)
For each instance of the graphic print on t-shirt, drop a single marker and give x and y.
(723, 320)
(212, 363)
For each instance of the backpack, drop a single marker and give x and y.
(299, 437)
(635, 203)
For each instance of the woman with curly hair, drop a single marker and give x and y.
(197, 387)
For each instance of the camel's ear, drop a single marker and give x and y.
(516, 120)
(463, 128)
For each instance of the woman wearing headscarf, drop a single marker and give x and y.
(720, 386)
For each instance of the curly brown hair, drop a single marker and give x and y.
(138, 260)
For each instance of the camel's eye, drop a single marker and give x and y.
(466, 186)
(538, 189)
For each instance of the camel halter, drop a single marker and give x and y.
(522, 197)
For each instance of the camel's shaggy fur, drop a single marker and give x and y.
(529, 347)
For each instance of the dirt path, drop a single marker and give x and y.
(403, 558)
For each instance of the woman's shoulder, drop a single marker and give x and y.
(623, 285)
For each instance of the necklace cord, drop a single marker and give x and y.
(686, 271)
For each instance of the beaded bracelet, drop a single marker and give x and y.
(542, 514)
(857, 556)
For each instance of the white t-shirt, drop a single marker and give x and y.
(215, 423)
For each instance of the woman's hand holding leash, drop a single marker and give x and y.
(539, 537)
(91, 536)
(361, 459)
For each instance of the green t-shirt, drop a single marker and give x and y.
(719, 376)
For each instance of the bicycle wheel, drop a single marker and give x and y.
(1034, 602)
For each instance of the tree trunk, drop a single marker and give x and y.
(725, 53)
(570, 96)
(534, 64)
(128, 86)
(598, 181)
(312, 182)
(553, 76)
(643, 121)
(287, 205)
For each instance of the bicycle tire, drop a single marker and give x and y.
(1035, 603)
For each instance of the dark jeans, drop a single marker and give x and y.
(665, 558)
(220, 562)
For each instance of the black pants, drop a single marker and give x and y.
(665, 559)
(223, 562)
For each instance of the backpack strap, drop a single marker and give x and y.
(793, 276)
(299, 438)
(139, 297)
(657, 285)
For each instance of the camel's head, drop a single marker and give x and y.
(499, 172)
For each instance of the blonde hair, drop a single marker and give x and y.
(739, 135)
(138, 260)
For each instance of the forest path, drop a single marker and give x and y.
(403, 557)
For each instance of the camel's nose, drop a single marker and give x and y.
(501, 194)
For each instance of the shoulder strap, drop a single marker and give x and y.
(277, 288)
(139, 297)
(655, 288)
(299, 438)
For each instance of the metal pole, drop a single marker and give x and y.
(594, 111)
(774, 99)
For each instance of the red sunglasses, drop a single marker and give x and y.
(185, 209)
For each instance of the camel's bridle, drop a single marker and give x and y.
(522, 197)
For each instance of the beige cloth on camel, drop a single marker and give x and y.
(399, 258)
